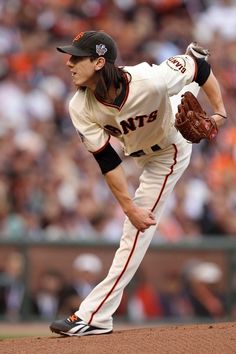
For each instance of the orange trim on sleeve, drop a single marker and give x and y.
(196, 69)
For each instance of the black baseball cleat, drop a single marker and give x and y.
(197, 51)
(74, 326)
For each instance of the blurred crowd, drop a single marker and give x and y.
(50, 187)
(195, 290)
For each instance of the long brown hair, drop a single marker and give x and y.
(109, 75)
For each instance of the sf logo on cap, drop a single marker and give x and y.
(101, 49)
(80, 35)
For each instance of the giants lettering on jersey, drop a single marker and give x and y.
(131, 124)
(177, 63)
(112, 130)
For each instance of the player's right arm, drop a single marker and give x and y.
(96, 140)
(212, 89)
(181, 70)
(141, 218)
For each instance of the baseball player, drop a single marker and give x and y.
(133, 104)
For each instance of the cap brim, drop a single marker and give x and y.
(72, 50)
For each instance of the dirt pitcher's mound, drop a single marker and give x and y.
(193, 339)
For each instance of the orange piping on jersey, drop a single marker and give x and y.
(196, 69)
(103, 147)
(118, 279)
(136, 237)
(166, 178)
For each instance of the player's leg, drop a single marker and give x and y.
(163, 172)
(160, 174)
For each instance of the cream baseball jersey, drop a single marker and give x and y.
(142, 115)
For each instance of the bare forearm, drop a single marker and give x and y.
(213, 92)
(141, 218)
(117, 183)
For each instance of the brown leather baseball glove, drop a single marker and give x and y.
(192, 122)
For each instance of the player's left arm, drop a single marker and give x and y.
(141, 218)
(110, 165)
(212, 89)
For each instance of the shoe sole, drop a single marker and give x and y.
(94, 331)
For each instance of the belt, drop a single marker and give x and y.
(141, 152)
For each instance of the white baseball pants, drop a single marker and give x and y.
(161, 171)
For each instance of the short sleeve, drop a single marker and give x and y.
(94, 137)
(177, 72)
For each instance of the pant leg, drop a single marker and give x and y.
(160, 173)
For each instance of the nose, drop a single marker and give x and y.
(69, 64)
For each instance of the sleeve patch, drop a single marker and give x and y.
(177, 64)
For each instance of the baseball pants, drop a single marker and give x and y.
(161, 171)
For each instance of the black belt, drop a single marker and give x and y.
(141, 152)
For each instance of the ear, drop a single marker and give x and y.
(100, 62)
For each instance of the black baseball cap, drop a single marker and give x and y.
(92, 44)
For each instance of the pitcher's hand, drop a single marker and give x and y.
(141, 218)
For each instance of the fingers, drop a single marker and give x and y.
(152, 222)
(143, 228)
(149, 222)
(152, 217)
(142, 219)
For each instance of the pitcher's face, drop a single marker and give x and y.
(84, 69)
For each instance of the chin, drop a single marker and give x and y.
(78, 86)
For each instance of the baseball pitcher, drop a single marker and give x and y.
(153, 111)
